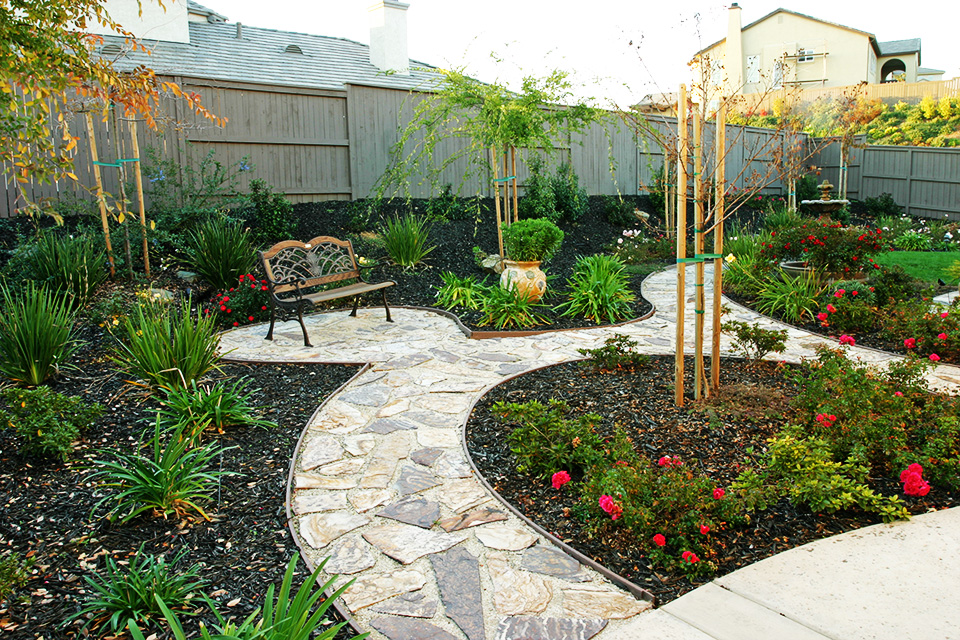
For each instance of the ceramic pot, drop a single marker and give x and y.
(530, 281)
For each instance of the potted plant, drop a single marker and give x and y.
(527, 243)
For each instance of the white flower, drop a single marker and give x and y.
(948, 235)
(619, 240)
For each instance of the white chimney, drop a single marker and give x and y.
(733, 63)
(388, 37)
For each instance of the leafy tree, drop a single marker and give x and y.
(47, 62)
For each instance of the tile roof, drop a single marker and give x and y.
(260, 56)
(897, 47)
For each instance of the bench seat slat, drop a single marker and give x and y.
(340, 292)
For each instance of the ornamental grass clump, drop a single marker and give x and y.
(138, 592)
(598, 290)
(506, 308)
(466, 293)
(406, 240)
(794, 300)
(71, 266)
(220, 251)
(168, 347)
(36, 334)
(197, 408)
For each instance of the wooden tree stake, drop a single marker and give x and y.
(681, 238)
(496, 196)
(122, 179)
(513, 172)
(100, 200)
(698, 244)
(135, 143)
(720, 180)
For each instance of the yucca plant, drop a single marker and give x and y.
(598, 290)
(283, 618)
(173, 478)
(168, 347)
(138, 592)
(70, 265)
(507, 308)
(792, 299)
(220, 251)
(216, 406)
(463, 292)
(405, 240)
(36, 334)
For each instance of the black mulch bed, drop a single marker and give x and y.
(455, 240)
(710, 437)
(46, 506)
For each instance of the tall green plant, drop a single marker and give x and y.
(168, 347)
(36, 334)
(273, 214)
(220, 251)
(406, 240)
(531, 240)
(599, 290)
(71, 266)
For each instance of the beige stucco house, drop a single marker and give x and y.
(789, 49)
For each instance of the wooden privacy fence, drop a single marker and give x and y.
(890, 92)
(923, 180)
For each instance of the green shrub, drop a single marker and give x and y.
(464, 292)
(829, 247)
(168, 347)
(570, 197)
(753, 341)
(47, 422)
(291, 616)
(13, 574)
(545, 440)
(913, 241)
(792, 299)
(618, 352)
(538, 199)
(636, 247)
(405, 240)
(131, 593)
(599, 290)
(914, 319)
(531, 240)
(618, 211)
(70, 266)
(807, 188)
(36, 334)
(173, 478)
(742, 245)
(447, 206)
(220, 252)
(505, 308)
(891, 284)
(666, 500)
(746, 276)
(780, 218)
(883, 205)
(216, 407)
(805, 471)
(272, 214)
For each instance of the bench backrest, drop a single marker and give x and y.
(322, 260)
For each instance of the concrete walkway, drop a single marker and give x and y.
(382, 486)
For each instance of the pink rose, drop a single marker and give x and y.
(899, 394)
(944, 314)
(718, 493)
(690, 557)
(910, 343)
(839, 293)
(560, 478)
(822, 317)
(659, 540)
(831, 308)
(934, 357)
(942, 336)
(913, 482)
(704, 529)
(847, 340)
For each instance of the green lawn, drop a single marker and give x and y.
(923, 265)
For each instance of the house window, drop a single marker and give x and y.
(778, 74)
(716, 73)
(753, 69)
(805, 55)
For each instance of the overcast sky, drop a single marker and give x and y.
(618, 49)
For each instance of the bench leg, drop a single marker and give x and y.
(356, 301)
(273, 318)
(306, 338)
(385, 306)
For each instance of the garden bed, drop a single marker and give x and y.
(718, 438)
(47, 505)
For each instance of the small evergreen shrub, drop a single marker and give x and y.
(891, 284)
(538, 199)
(47, 422)
(753, 341)
(618, 211)
(13, 574)
(272, 214)
(531, 240)
(570, 198)
(618, 352)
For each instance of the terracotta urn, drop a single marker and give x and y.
(530, 281)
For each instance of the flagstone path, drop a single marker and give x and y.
(382, 485)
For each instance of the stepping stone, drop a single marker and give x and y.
(371, 588)
(444, 437)
(384, 460)
(349, 466)
(496, 357)
(416, 511)
(550, 561)
(452, 465)
(359, 445)
(473, 519)
(414, 605)
(663, 342)
(405, 543)
(511, 369)
(367, 499)
(349, 554)
(517, 592)
(527, 628)
(338, 418)
(458, 578)
(426, 456)
(320, 529)
(406, 629)
(311, 481)
(460, 495)
(509, 537)
(444, 356)
(414, 480)
(431, 418)
(388, 425)
(404, 362)
(597, 601)
(395, 407)
(451, 403)
(314, 502)
(372, 396)
(320, 450)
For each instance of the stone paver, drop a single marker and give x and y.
(383, 487)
